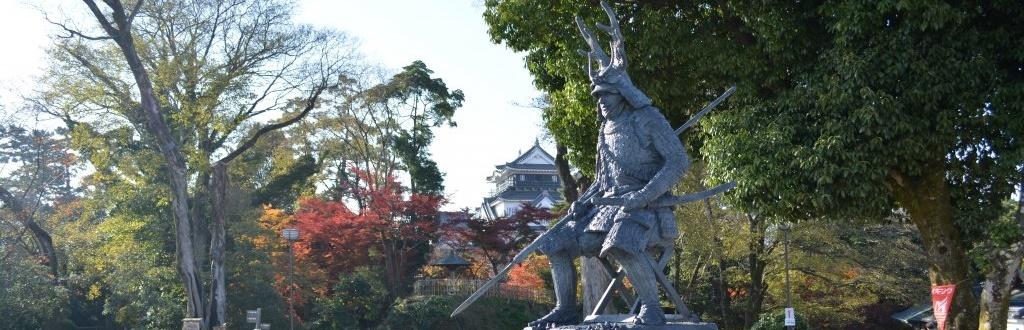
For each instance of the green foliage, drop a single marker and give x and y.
(42, 164)
(358, 301)
(419, 313)
(776, 321)
(824, 111)
(426, 103)
(845, 110)
(251, 274)
(28, 297)
(1001, 235)
(839, 269)
(273, 172)
(381, 128)
(122, 256)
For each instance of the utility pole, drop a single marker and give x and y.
(291, 235)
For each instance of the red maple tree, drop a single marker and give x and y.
(500, 239)
(391, 229)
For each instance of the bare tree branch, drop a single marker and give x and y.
(72, 32)
(102, 19)
(311, 103)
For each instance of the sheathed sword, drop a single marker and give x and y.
(663, 202)
(537, 242)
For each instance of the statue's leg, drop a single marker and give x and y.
(561, 249)
(564, 277)
(626, 244)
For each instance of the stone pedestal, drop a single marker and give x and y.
(625, 322)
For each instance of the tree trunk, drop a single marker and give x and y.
(45, 242)
(217, 310)
(995, 296)
(199, 208)
(721, 285)
(43, 239)
(169, 149)
(1005, 264)
(570, 188)
(757, 264)
(928, 203)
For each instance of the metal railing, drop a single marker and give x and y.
(458, 287)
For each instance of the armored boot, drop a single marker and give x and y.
(563, 275)
(650, 315)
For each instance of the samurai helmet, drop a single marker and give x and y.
(610, 76)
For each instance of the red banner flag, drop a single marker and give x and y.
(942, 298)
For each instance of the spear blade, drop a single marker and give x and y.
(712, 105)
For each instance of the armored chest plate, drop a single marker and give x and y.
(628, 154)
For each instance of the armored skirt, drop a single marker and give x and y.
(605, 227)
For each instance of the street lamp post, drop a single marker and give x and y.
(785, 241)
(291, 235)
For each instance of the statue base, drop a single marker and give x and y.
(625, 321)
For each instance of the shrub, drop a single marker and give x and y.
(776, 320)
(358, 301)
(432, 313)
(420, 313)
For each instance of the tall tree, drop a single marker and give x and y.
(204, 70)
(418, 102)
(39, 167)
(846, 109)
(382, 126)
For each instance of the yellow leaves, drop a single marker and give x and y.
(163, 201)
(430, 271)
(94, 292)
(271, 222)
(274, 219)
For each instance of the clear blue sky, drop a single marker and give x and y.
(448, 35)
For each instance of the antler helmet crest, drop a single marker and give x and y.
(611, 74)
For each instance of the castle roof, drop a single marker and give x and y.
(536, 157)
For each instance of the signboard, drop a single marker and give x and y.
(191, 324)
(252, 316)
(790, 317)
(942, 298)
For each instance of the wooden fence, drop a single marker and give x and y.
(458, 287)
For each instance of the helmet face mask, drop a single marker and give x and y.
(600, 89)
(609, 102)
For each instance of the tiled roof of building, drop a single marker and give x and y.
(527, 196)
(546, 194)
(451, 260)
(527, 166)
